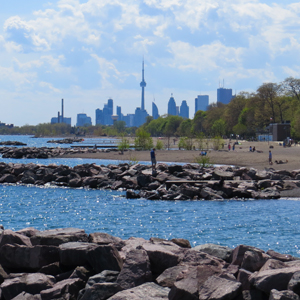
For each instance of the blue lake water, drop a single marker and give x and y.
(267, 224)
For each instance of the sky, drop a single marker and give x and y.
(91, 50)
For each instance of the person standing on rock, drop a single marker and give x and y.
(153, 159)
(270, 158)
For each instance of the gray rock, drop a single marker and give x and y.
(27, 296)
(146, 291)
(283, 295)
(294, 283)
(136, 270)
(56, 237)
(60, 289)
(219, 288)
(239, 251)
(273, 279)
(10, 237)
(100, 291)
(163, 256)
(170, 275)
(102, 238)
(254, 260)
(28, 258)
(29, 283)
(281, 257)
(187, 287)
(273, 264)
(105, 257)
(221, 252)
(243, 278)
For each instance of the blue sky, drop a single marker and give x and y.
(88, 51)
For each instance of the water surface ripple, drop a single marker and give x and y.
(267, 224)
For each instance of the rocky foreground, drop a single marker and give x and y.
(168, 182)
(70, 264)
(45, 152)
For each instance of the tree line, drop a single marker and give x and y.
(245, 115)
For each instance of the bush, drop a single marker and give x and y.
(159, 145)
(203, 161)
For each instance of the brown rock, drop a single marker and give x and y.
(136, 270)
(217, 288)
(29, 283)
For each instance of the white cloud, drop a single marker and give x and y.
(204, 58)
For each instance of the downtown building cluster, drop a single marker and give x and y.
(106, 115)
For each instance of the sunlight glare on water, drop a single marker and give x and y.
(267, 224)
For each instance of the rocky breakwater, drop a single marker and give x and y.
(44, 152)
(170, 182)
(70, 264)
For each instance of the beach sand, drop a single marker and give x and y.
(241, 156)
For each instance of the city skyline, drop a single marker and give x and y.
(86, 52)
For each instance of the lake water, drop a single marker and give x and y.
(267, 224)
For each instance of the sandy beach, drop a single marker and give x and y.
(241, 156)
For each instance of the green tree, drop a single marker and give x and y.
(143, 140)
(218, 128)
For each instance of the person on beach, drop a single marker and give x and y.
(153, 159)
(250, 149)
(229, 147)
(270, 158)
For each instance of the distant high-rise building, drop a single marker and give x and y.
(224, 95)
(201, 102)
(155, 114)
(172, 107)
(119, 113)
(184, 110)
(143, 85)
(83, 120)
(104, 116)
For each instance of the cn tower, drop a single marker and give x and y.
(143, 85)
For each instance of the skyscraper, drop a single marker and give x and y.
(184, 110)
(224, 95)
(143, 85)
(104, 116)
(201, 102)
(155, 114)
(83, 120)
(172, 106)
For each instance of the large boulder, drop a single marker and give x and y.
(33, 258)
(254, 260)
(283, 295)
(102, 238)
(75, 253)
(273, 279)
(239, 251)
(187, 287)
(170, 275)
(30, 283)
(221, 252)
(105, 257)
(65, 289)
(163, 256)
(56, 237)
(219, 288)
(136, 269)
(10, 237)
(146, 291)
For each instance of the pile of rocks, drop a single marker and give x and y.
(66, 141)
(45, 152)
(70, 264)
(12, 143)
(169, 182)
